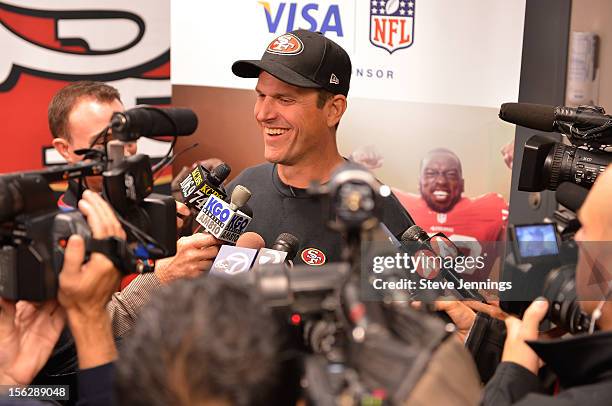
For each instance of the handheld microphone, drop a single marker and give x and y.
(199, 184)
(284, 249)
(417, 234)
(149, 121)
(233, 260)
(571, 195)
(224, 220)
(544, 118)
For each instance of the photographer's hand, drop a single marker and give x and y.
(28, 333)
(518, 331)
(194, 254)
(85, 289)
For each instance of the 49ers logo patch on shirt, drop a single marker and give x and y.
(313, 256)
(286, 44)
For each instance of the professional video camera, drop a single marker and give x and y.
(367, 351)
(544, 255)
(547, 163)
(34, 231)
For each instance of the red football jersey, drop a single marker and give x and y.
(481, 219)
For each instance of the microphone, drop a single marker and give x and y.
(284, 249)
(232, 260)
(199, 184)
(417, 234)
(288, 243)
(224, 220)
(544, 118)
(252, 240)
(571, 195)
(148, 121)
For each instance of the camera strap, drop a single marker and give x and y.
(116, 250)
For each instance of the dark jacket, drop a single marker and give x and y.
(583, 365)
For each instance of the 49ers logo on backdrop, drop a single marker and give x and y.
(313, 256)
(287, 44)
(48, 44)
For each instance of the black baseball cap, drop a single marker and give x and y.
(302, 58)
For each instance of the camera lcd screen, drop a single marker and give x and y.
(536, 240)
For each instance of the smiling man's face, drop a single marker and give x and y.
(441, 181)
(292, 125)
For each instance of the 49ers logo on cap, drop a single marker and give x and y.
(286, 44)
(313, 256)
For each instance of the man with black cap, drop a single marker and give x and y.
(303, 82)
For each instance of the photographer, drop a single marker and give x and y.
(582, 363)
(77, 114)
(28, 331)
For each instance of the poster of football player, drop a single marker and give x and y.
(474, 224)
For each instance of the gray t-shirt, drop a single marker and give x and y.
(279, 208)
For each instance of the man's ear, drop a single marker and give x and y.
(336, 109)
(61, 145)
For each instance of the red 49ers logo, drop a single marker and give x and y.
(286, 44)
(313, 256)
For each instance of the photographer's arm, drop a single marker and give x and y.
(516, 376)
(194, 255)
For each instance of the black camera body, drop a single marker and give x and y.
(547, 163)
(34, 231)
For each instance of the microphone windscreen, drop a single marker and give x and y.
(251, 240)
(571, 195)
(240, 195)
(287, 242)
(535, 116)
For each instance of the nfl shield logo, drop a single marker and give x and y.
(392, 24)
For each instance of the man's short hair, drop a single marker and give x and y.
(440, 151)
(64, 101)
(207, 339)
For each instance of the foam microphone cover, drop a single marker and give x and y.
(251, 240)
(535, 116)
(288, 243)
(240, 195)
(571, 195)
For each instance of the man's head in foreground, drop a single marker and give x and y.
(304, 79)
(77, 114)
(207, 341)
(441, 180)
(594, 269)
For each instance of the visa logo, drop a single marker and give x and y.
(306, 16)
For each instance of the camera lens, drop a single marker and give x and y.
(560, 291)
(566, 163)
(547, 163)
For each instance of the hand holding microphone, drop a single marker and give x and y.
(224, 220)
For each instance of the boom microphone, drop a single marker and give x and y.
(544, 118)
(148, 121)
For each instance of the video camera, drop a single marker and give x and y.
(544, 255)
(366, 351)
(546, 163)
(34, 231)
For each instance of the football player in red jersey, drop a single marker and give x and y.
(473, 224)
